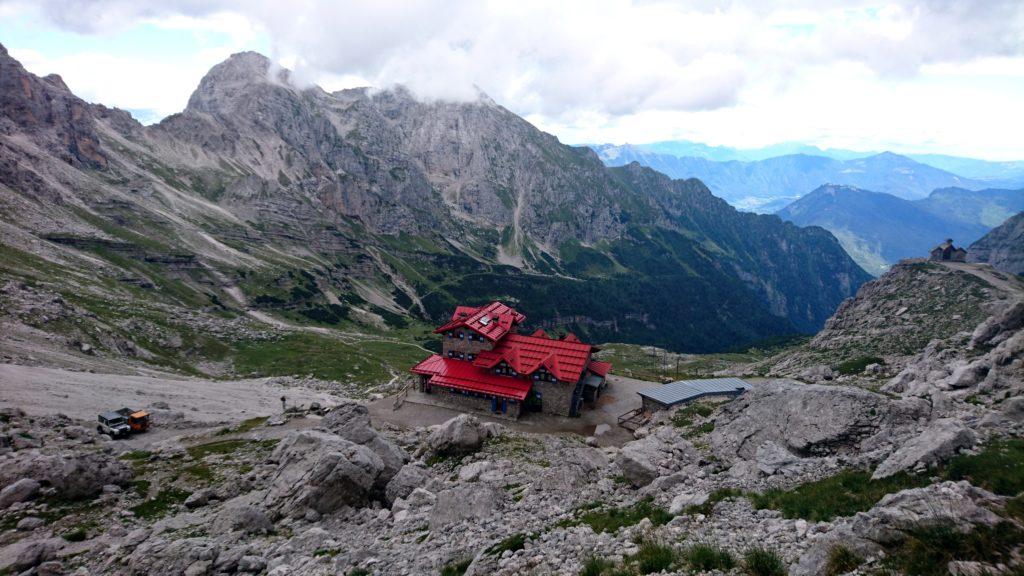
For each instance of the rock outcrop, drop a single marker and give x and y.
(1002, 247)
(322, 472)
(73, 475)
(806, 420)
(937, 443)
(954, 505)
(659, 454)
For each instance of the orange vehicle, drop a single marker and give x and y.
(138, 420)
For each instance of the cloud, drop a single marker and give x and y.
(608, 56)
(590, 68)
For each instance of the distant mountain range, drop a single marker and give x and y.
(369, 210)
(879, 229)
(766, 179)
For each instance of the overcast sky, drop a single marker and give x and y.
(913, 76)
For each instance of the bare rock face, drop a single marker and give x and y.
(804, 419)
(659, 454)
(937, 443)
(1002, 247)
(74, 475)
(46, 108)
(323, 472)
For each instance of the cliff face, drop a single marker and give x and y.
(1002, 247)
(396, 206)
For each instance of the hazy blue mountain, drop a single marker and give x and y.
(1009, 174)
(768, 185)
(726, 153)
(879, 229)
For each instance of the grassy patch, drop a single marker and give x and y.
(999, 467)
(77, 534)
(201, 472)
(707, 557)
(928, 551)
(844, 494)
(684, 416)
(327, 358)
(141, 488)
(763, 562)
(512, 543)
(595, 566)
(857, 365)
(219, 447)
(841, 560)
(136, 455)
(159, 505)
(456, 567)
(244, 426)
(611, 519)
(653, 557)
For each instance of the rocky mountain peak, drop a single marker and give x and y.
(235, 77)
(47, 111)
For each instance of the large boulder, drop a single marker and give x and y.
(323, 472)
(937, 443)
(803, 419)
(661, 453)
(240, 517)
(28, 554)
(463, 434)
(351, 421)
(409, 478)
(77, 475)
(19, 491)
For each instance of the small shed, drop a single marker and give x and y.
(947, 252)
(685, 391)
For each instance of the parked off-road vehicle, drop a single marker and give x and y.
(113, 424)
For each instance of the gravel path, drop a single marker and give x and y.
(41, 391)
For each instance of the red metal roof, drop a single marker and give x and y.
(525, 354)
(600, 368)
(493, 321)
(463, 375)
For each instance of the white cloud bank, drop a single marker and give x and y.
(914, 75)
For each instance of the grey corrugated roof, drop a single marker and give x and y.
(683, 390)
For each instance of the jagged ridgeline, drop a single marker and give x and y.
(373, 209)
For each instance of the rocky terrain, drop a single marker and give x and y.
(1003, 247)
(366, 213)
(273, 230)
(914, 466)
